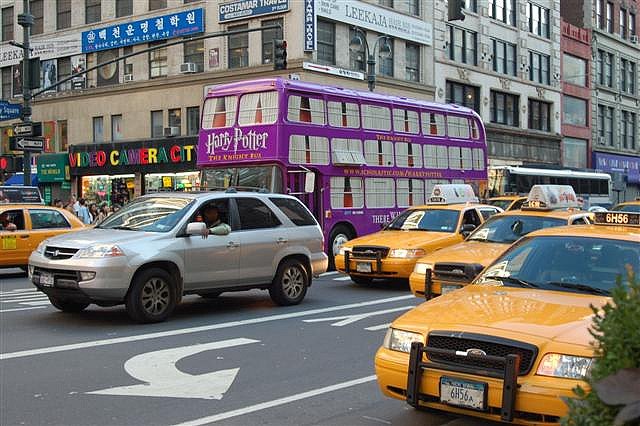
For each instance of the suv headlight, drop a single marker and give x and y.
(400, 340)
(406, 253)
(41, 247)
(566, 366)
(343, 250)
(100, 250)
(421, 268)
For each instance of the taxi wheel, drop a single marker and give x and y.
(152, 296)
(290, 284)
(339, 235)
(67, 305)
(361, 280)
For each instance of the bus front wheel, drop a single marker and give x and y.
(339, 235)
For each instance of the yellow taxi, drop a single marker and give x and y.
(453, 267)
(24, 226)
(507, 202)
(628, 206)
(510, 345)
(452, 213)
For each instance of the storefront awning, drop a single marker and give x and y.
(18, 180)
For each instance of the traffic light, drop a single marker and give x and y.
(456, 10)
(10, 164)
(279, 54)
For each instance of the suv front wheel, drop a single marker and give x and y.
(290, 284)
(152, 296)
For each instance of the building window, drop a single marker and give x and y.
(504, 57)
(623, 23)
(116, 127)
(193, 120)
(605, 68)
(92, 11)
(387, 3)
(326, 52)
(628, 129)
(462, 45)
(6, 83)
(503, 10)
(471, 5)
(98, 130)
(462, 94)
(539, 115)
(63, 14)
(609, 17)
(632, 24)
(357, 59)
(627, 76)
(7, 25)
(64, 71)
(63, 135)
(599, 14)
(539, 65)
(386, 62)
(538, 18)
(158, 60)
(574, 152)
(124, 8)
(505, 108)
(574, 111)
(412, 62)
(157, 4)
(194, 53)
(413, 7)
(238, 47)
(267, 39)
(605, 125)
(156, 124)
(175, 119)
(574, 70)
(36, 7)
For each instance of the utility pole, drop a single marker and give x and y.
(25, 19)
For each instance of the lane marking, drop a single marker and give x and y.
(375, 419)
(182, 331)
(347, 278)
(326, 274)
(19, 298)
(277, 402)
(350, 319)
(38, 303)
(378, 327)
(21, 309)
(18, 290)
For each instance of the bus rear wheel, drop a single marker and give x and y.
(339, 235)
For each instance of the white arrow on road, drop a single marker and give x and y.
(163, 379)
(343, 320)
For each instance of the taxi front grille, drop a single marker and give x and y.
(490, 345)
(456, 272)
(369, 252)
(59, 253)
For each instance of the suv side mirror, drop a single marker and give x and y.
(467, 228)
(309, 182)
(196, 228)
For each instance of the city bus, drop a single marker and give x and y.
(591, 187)
(356, 159)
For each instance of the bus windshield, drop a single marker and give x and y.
(243, 178)
(426, 220)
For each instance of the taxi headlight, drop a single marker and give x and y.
(343, 250)
(406, 253)
(567, 366)
(400, 340)
(100, 250)
(421, 268)
(41, 247)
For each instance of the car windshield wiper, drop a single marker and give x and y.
(580, 287)
(126, 228)
(512, 280)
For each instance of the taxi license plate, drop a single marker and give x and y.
(363, 267)
(463, 393)
(46, 279)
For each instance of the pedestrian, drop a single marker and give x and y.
(83, 212)
(72, 205)
(101, 214)
(94, 213)
(58, 203)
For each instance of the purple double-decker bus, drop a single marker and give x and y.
(356, 159)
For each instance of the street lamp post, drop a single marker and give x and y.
(358, 40)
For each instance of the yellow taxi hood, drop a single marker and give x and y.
(400, 239)
(509, 312)
(467, 252)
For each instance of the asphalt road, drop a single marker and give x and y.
(234, 360)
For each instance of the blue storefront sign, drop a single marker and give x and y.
(627, 165)
(177, 24)
(9, 111)
(309, 26)
(250, 9)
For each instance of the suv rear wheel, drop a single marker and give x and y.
(152, 296)
(290, 284)
(67, 305)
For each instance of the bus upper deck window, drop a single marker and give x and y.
(376, 117)
(457, 127)
(433, 124)
(219, 112)
(405, 121)
(258, 108)
(304, 109)
(343, 114)
(475, 133)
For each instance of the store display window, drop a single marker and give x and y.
(159, 182)
(117, 189)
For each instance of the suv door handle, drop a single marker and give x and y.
(231, 244)
(282, 240)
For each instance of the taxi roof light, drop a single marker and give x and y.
(551, 197)
(452, 194)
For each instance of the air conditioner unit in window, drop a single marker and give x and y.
(188, 67)
(601, 140)
(633, 39)
(128, 78)
(171, 131)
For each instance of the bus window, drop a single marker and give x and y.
(467, 162)
(457, 127)
(475, 134)
(346, 192)
(304, 149)
(405, 121)
(442, 156)
(343, 114)
(303, 109)
(347, 151)
(379, 192)
(258, 108)
(455, 161)
(378, 153)
(376, 117)
(409, 192)
(408, 154)
(219, 112)
(430, 156)
(433, 124)
(478, 159)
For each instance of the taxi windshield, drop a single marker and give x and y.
(157, 214)
(507, 229)
(435, 220)
(503, 204)
(561, 263)
(627, 208)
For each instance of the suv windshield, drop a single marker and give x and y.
(507, 229)
(578, 264)
(156, 214)
(426, 220)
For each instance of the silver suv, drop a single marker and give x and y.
(163, 246)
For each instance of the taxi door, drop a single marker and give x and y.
(15, 245)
